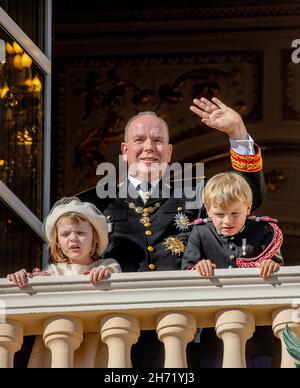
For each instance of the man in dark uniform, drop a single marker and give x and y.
(148, 232)
(141, 230)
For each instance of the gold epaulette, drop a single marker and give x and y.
(246, 163)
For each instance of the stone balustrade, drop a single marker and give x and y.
(77, 324)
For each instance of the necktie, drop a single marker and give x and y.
(144, 190)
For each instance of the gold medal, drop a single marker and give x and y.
(145, 220)
(174, 245)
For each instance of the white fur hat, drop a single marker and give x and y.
(86, 209)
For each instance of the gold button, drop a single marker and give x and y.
(151, 267)
(148, 232)
(147, 224)
(150, 248)
(231, 257)
(179, 209)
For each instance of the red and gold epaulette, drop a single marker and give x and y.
(199, 221)
(270, 251)
(263, 218)
(246, 163)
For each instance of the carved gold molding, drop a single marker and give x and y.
(169, 10)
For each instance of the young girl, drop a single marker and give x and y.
(78, 235)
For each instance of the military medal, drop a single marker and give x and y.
(244, 247)
(181, 222)
(145, 220)
(144, 213)
(174, 245)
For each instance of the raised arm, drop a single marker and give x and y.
(217, 115)
(245, 155)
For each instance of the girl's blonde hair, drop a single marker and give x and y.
(226, 188)
(57, 255)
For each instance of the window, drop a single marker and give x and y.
(21, 124)
(24, 132)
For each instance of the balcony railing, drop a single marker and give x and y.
(69, 315)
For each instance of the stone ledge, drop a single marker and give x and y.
(145, 295)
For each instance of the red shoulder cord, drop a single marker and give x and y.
(270, 250)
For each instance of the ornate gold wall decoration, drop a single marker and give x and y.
(118, 11)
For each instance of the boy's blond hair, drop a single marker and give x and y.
(57, 255)
(226, 188)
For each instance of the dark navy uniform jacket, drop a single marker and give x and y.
(141, 248)
(206, 243)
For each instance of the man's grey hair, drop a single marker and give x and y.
(144, 114)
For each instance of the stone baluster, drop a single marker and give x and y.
(234, 327)
(281, 318)
(175, 330)
(119, 333)
(11, 339)
(62, 335)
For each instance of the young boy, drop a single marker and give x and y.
(231, 238)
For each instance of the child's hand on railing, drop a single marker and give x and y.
(20, 278)
(97, 274)
(205, 267)
(267, 268)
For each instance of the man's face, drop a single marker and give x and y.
(147, 149)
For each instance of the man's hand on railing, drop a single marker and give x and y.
(20, 278)
(267, 268)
